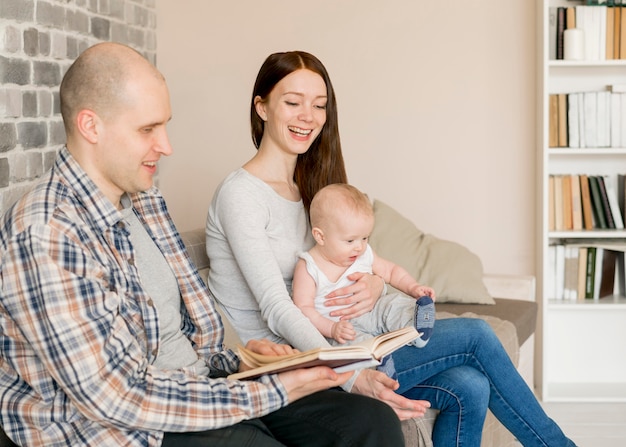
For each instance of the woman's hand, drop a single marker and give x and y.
(377, 385)
(363, 295)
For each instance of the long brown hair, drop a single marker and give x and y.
(323, 163)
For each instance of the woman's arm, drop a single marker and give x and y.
(263, 234)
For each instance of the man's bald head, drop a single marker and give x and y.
(97, 80)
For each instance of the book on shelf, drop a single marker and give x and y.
(560, 28)
(577, 211)
(551, 205)
(614, 208)
(604, 29)
(570, 272)
(554, 121)
(610, 33)
(585, 199)
(607, 274)
(606, 206)
(567, 202)
(342, 358)
(617, 25)
(591, 272)
(582, 273)
(558, 202)
(621, 194)
(562, 113)
(586, 270)
(622, 39)
(596, 200)
(573, 120)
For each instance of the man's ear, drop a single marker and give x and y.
(318, 235)
(87, 125)
(259, 106)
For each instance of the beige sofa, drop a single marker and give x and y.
(465, 292)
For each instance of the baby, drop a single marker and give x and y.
(342, 219)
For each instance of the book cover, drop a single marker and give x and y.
(606, 206)
(621, 194)
(617, 25)
(591, 272)
(603, 123)
(558, 202)
(622, 33)
(553, 131)
(616, 125)
(573, 135)
(552, 33)
(610, 33)
(559, 275)
(551, 204)
(562, 120)
(607, 278)
(597, 280)
(611, 193)
(590, 119)
(567, 202)
(582, 273)
(596, 200)
(570, 278)
(577, 211)
(585, 198)
(560, 28)
(358, 355)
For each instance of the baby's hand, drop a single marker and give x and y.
(343, 331)
(420, 290)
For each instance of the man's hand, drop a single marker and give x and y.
(376, 384)
(343, 331)
(363, 295)
(266, 347)
(302, 382)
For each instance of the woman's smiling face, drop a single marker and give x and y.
(294, 112)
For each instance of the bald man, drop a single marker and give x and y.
(108, 334)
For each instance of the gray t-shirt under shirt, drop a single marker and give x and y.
(158, 280)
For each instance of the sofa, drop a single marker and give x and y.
(462, 290)
(505, 302)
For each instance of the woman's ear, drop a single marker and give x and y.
(87, 125)
(259, 106)
(318, 235)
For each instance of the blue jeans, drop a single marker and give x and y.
(462, 371)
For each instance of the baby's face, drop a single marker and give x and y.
(346, 237)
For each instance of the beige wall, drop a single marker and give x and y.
(436, 106)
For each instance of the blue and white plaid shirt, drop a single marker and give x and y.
(78, 333)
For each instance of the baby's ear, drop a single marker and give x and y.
(318, 235)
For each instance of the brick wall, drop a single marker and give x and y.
(39, 39)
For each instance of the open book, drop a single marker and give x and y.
(342, 358)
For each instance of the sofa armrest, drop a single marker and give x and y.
(516, 287)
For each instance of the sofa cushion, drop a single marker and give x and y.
(448, 267)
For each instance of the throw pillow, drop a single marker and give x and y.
(448, 267)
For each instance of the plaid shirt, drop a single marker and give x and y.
(78, 333)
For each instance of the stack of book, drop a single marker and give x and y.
(582, 271)
(588, 119)
(604, 28)
(586, 202)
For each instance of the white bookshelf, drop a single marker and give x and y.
(583, 342)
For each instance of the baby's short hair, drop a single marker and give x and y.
(338, 198)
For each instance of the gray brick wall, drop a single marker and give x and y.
(39, 39)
